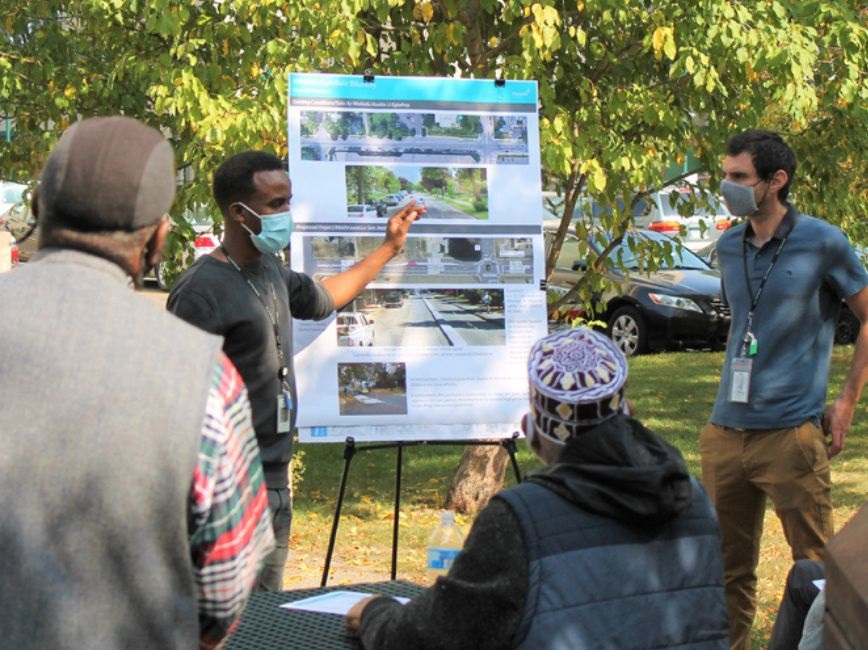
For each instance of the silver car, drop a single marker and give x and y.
(697, 217)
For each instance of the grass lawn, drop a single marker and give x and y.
(673, 394)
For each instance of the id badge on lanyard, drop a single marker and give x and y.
(739, 386)
(284, 408)
(739, 372)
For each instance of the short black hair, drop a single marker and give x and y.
(769, 153)
(233, 180)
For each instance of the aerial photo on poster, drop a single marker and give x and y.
(428, 260)
(429, 138)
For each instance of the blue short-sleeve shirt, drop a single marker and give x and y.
(794, 321)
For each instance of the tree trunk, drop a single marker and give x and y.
(478, 478)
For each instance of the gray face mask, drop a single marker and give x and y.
(739, 198)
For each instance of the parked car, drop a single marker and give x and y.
(393, 299)
(660, 212)
(17, 219)
(677, 306)
(847, 328)
(361, 210)
(706, 219)
(12, 195)
(355, 329)
(589, 210)
(392, 200)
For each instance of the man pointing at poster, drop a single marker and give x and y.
(243, 293)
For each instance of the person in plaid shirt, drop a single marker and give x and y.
(231, 532)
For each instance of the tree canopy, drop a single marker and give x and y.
(628, 90)
(627, 87)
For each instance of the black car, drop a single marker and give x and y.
(847, 328)
(678, 306)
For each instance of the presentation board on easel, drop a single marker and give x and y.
(436, 347)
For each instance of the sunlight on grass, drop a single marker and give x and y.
(673, 395)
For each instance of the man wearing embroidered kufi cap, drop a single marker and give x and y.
(612, 544)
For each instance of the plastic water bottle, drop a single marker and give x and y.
(443, 546)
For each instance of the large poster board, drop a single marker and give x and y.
(436, 347)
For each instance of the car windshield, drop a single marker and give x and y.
(638, 209)
(585, 206)
(198, 215)
(713, 208)
(682, 258)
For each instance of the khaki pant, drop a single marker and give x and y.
(739, 469)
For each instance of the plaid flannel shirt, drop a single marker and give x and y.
(230, 532)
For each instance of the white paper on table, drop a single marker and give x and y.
(820, 584)
(333, 602)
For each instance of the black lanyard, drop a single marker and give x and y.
(754, 300)
(749, 344)
(273, 316)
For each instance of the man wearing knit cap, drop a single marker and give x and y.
(611, 545)
(133, 510)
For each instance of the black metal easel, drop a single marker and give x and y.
(351, 449)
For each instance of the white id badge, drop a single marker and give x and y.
(739, 387)
(282, 414)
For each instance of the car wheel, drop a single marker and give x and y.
(160, 275)
(847, 327)
(627, 329)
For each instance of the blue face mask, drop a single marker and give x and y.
(274, 234)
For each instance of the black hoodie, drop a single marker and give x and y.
(621, 470)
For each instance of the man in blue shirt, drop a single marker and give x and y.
(784, 275)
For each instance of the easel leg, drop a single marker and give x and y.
(509, 445)
(349, 452)
(397, 510)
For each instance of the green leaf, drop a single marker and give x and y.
(669, 48)
(371, 45)
(689, 64)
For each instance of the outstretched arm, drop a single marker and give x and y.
(345, 286)
(839, 414)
